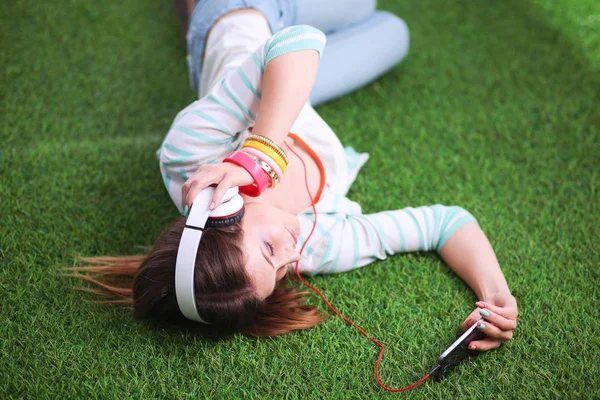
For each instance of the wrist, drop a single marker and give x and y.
(490, 293)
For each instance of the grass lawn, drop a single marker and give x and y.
(496, 109)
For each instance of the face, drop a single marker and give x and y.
(270, 237)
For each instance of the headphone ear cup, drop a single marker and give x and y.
(226, 221)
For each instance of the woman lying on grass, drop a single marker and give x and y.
(251, 78)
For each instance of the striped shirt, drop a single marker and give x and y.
(209, 129)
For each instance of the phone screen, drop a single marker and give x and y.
(458, 351)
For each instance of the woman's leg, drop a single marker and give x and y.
(358, 54)
(331, 15)
(279, 14)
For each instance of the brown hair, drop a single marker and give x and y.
(224, 292)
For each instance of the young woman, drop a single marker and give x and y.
(256, 78)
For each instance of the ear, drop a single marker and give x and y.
(225, 221)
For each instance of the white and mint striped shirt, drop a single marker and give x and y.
(210, 128)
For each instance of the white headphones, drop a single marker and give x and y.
(229, 212)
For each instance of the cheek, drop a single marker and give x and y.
(263, 279)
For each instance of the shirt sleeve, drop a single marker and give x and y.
(210, 128)
(349, 241)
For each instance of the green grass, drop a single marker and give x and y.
(496, 109)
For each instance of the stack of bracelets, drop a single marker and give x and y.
(264, 160)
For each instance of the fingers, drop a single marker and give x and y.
(224, 175)
(202, 178)
(471, 319)
(494, 332)
(219, 193)
(507, 311)
(190, 190)
(485, 344)
(506, 324)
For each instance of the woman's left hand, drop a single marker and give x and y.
(500, 314)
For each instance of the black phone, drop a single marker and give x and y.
(457, 352)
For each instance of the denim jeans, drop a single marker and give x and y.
(362, 43)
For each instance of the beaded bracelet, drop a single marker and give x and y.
(267, 160)
(268, 142)
(267, 168)
(260, 177)
(268, 151)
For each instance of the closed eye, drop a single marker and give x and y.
(271, 248)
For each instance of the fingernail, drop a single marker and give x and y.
(212, 205)
(472, 347)
(482, 326)
(485, 313)
(186, 210)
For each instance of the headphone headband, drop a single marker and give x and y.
(185, 265)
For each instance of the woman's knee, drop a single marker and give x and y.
(396, 34)
(334, 15)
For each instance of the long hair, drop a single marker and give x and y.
(224, 292)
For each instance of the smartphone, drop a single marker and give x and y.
(457, 352)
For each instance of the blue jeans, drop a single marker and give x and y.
(362, 43)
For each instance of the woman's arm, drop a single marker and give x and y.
(268, 91)
(351, 241)
(470, 255)
(287, 84)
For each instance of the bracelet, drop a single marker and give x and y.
(267, 168)
(267, 160)
(268, 142)
(260, 177)
(268, 151)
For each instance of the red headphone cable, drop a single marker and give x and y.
(336, 312)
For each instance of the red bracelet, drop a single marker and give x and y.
(261, 179)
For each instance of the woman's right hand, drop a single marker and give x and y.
(224, 175)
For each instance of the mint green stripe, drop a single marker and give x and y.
(382, 235)
(370, 230)
(290, 33)
(437, 211)
(225, 106)
(167, 180)
(329, 239)
(421, 240)
(429, 241)
(258, 63)
(177, 150)
(306, 44)
(212, 120)
(200, 136)
(307, 248)
(248, 84)
(285, 34)
(336, 259)
(178, 160)
(452, 212)
(398, 228)
(183, 174)
(459, 224)
(237, 101)
(356, 242)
